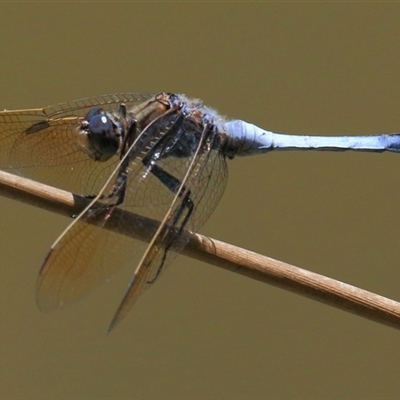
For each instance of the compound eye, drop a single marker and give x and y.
(92, 112)
(100, 124)
(98, 135)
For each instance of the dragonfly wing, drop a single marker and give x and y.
(205, 176)
(96, 245)
(42, 143)
(98, 236)
(80, 260)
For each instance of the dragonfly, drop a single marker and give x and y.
(161, 156)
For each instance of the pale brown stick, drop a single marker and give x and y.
(232, 258)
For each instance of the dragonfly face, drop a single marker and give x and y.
(100, 133)
(156, 156)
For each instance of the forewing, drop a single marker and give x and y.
(91, 249)
(42, 143)
(87, 255)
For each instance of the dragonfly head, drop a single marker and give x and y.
(100, 134)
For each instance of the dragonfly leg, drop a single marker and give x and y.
(171, 121)
(119, 188)
(187, 204)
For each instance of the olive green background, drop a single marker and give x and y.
(202, 332)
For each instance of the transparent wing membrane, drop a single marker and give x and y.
(173, 174)
(41, 144)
